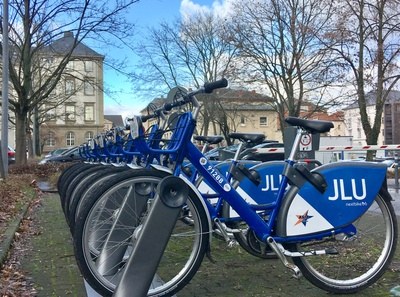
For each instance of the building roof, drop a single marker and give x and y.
(370, 97)
(234, 94)
(64, 44)
(115, 119)
(247, 100)
(333, 117)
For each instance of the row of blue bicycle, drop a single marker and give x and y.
(333, 224)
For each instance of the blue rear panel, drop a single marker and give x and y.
(352, 188)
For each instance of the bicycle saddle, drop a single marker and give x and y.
(247, 137)
(209, 139)
(313, 126)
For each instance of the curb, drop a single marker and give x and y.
(12, 228)
(45, 187)
(9, 234)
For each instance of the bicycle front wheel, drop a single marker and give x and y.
(107, 226)
(361, 259)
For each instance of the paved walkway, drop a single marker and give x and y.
(51, 265)
(51, 261)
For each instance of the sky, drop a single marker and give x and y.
(144, 14)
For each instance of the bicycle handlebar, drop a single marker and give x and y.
(207, 88)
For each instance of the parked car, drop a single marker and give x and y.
(227, 152)
(253, 153)
(388, 161)
(70, 155)
(56, 152)
(262, 152)
(11, 155)
(392, 168)
(213, 154)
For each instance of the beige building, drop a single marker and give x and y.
(248, 111)
(390, 134)
(337, 118)
(80, 115)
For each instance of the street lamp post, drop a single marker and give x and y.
(4, 97)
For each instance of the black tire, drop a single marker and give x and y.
(87, 186)
(65, 173)
(67, 179)
(361, 259)
(75, 181)
(182, 256)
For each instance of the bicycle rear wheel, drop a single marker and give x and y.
(107, 225)
(361, 259)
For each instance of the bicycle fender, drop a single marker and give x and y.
(161, 168)
(192, 187)
(351, 189)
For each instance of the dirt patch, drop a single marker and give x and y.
(235, 273)
(14, 281)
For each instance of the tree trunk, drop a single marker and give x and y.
(36, 133)
(20, 137)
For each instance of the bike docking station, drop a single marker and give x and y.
(150, 243)
(309, 143)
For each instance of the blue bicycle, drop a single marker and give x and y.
(335, 222)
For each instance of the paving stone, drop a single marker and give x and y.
(51, 263)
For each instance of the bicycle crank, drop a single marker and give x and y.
(279, 250)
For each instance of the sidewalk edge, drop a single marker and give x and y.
(9, 234)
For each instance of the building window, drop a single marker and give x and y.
(69, 86)
(349, 125)
(263, 121)
(89, 135)
(242, 120)
(88, 66)
(89, 112)
(70, 138)
(70, 112)
(89, 87)
(47, 63)
(50, 139)
(50, 113)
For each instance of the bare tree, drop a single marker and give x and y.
(367, 39)
(280, 49)
(33, 26)
(188, 52)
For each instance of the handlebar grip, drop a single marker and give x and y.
(209, 87)
(144, 118)
(168, 106)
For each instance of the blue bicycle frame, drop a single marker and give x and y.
(181, 147)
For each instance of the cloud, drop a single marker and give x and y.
(124, 111)
(221, 8)
(189, 7)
